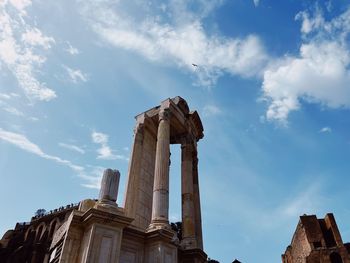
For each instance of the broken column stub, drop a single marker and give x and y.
(109, 191)
(109, 185)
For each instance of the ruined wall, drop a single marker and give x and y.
(316, 241)
(300, 246)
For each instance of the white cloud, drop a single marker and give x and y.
(33, 119)
(105, 152)
(35, 37)
(93, 180)
(72, 50)
(325, 130)
(20, 5)
(22, 47)
(23, 143)
(13, 111)
(181, 42)
(211, 110)
(92, 175)
(256, 2)
(72, 147)
(5, 96)
(76, 75)
(310, 23)
(319, 74)
(99, 137)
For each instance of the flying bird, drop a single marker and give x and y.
(195, 65)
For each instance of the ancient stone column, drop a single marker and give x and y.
(131, 198)
(109, 186)
(197, 202)
(160, 205)
(188, 219)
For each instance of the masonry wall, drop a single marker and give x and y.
(301, 247)
(146, 178)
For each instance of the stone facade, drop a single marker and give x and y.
(139, 231)
(317, 241)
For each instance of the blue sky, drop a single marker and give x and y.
(271, 87)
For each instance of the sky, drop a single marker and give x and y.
(271, 86)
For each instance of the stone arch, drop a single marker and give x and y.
(28, 233)
(335, 258)
(54, 224)
(40, 230)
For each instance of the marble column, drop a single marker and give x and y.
(196, 202)
(109, 186)
(160, 204)
(188, 218)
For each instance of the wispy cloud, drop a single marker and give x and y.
(105, 152)
(35, 37)
(72, 50)
(5, 96)
(319, 73)
(76, 75)
(22, 48)
(179, 41)
(93, 180)
(211, 110)
(325, 130)
(256, 2)
(8, 96)
(23, 143)
(90, 174)
(13, 111)
(72, 147)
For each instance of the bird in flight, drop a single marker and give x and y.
(195, 65)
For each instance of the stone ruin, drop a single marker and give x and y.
(139, 230)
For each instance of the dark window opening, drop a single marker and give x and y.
(317, 244)
(335, 258)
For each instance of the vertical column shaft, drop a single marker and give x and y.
(188, 213)
(130, 198)
(160, 205)
(197, 203)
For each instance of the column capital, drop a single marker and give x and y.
(164, 114)
(139, 132)
(187, 140)
(139, 128)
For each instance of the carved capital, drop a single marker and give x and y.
(139, 132)
(187, 140)
(164, 114)
(139, 128)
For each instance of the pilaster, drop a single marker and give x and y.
(131, 193)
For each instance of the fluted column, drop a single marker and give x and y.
(160, 204)
(188, 213)
(109, 191)
(197, 202)
(109, 186)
